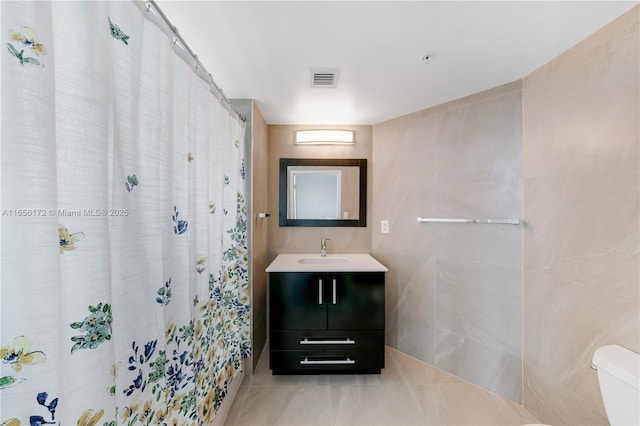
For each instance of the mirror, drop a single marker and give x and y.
(323, 192)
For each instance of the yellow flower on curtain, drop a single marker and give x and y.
(67, 241)
(130, 410)
(20, 353)
(207, 406)
(243, 298)
(28, 38)
(90, 418)
(147, 412)
(160, 417)
(12, 422)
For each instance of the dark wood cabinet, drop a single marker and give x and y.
(326, 322)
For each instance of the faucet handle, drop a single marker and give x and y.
(323, 246)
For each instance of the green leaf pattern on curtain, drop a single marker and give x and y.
(121, 349)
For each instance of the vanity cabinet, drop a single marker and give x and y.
(326, 322)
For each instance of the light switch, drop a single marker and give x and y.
(384, 226)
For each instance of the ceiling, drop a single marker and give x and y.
(264, 50)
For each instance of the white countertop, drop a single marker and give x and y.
(349, 262)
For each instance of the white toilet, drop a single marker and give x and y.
(619, 378)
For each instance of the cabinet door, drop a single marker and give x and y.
(297, 301)
(357, 302)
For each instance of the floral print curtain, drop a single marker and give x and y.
(124, 285)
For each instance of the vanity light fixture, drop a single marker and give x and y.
(325, 137)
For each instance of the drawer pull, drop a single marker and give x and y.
(335, 300)
(346, 341)
(320, 292)
(306, 361)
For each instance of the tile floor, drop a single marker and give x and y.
(408, 392)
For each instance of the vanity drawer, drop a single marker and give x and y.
(326, 339)
(323, 361)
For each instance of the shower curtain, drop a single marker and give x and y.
(124, 283)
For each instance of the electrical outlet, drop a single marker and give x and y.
(384, 226)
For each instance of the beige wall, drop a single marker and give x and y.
(454, 290)
(307, 239)
(256, 156)
(581, 207)
(260, 234)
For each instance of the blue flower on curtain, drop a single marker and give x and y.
(39, 421)
(179, 226)
(117, 33)
(136, 363)
(51, 407)
(179, 373)
(131, 182)
(96, 326)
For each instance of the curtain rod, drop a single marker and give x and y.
(185, 46)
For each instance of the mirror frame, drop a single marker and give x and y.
(339, 162)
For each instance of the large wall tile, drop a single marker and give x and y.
(491, 368)
(577, 319)
(581, 269)
(553, 404)
(417, 313)
(460, 159)
(482, 302)
(581, 108)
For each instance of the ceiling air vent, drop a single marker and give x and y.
(324, 77)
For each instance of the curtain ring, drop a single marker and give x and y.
(147, 4)
(175, 34)
(195, 58)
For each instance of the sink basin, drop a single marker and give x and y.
(335, 262)
(323, 260)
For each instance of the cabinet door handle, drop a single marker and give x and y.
(335, 297)
(346, 341)
(306, 361)
(320, 291)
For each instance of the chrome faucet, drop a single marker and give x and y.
(323, 247)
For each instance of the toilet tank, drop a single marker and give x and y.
(619, 378)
